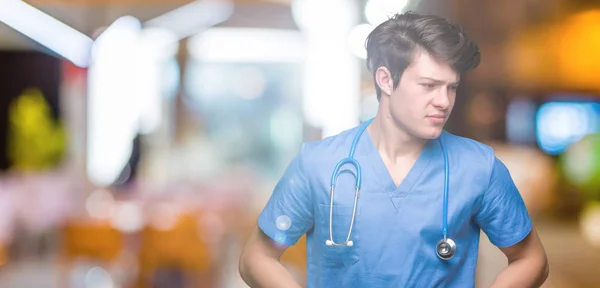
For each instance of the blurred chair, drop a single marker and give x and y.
(94, 241)
(177, 256)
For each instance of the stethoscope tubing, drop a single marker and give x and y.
(445, 248)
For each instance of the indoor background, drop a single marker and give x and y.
(139, 139)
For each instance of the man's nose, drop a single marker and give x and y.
(442, 98)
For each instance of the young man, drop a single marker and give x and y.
(425, 194)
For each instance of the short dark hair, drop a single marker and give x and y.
(393, 44)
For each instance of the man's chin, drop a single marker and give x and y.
(432, 133)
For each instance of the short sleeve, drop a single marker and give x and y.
(502, 215)
(289, 212)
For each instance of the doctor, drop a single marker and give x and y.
(398, 201)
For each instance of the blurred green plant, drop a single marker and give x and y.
(580, 164)
(35, 140)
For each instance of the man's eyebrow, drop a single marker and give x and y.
(438, 81)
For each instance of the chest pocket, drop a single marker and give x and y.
(342, 216)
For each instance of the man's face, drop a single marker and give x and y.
(424, 98)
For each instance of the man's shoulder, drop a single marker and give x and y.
(470, 150)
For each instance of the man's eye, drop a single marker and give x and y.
(427, 85)
(454, 87)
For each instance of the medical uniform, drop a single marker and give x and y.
(396, 228)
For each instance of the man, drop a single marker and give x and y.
(397, 225)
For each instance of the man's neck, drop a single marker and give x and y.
(392, 141)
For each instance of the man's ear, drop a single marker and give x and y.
(384, 80)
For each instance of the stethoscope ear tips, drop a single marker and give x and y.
(445, 249)
(328, 242)
(350, 243)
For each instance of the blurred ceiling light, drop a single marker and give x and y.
(311, 13)
(112, 123)
(158, 43)
(356, 40)
(155, 47)
(317, 14)
(124, 30)
(46, 30)
(247, 45)
(326, 26)
(378, 11)
(194, 17)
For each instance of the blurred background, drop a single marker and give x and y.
(140, 139)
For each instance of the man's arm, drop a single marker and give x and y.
(287, 216)
(259, 264)
(503, 216)
(527, 264)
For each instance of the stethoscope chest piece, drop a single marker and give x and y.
(445, 249)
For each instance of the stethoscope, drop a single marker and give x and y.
(445, 248)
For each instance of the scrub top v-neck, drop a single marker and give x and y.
(383, 176)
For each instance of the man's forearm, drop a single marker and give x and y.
(524, 272)
(265, 272)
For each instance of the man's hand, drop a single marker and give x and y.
(527, 264)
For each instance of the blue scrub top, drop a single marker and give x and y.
(396, 228)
